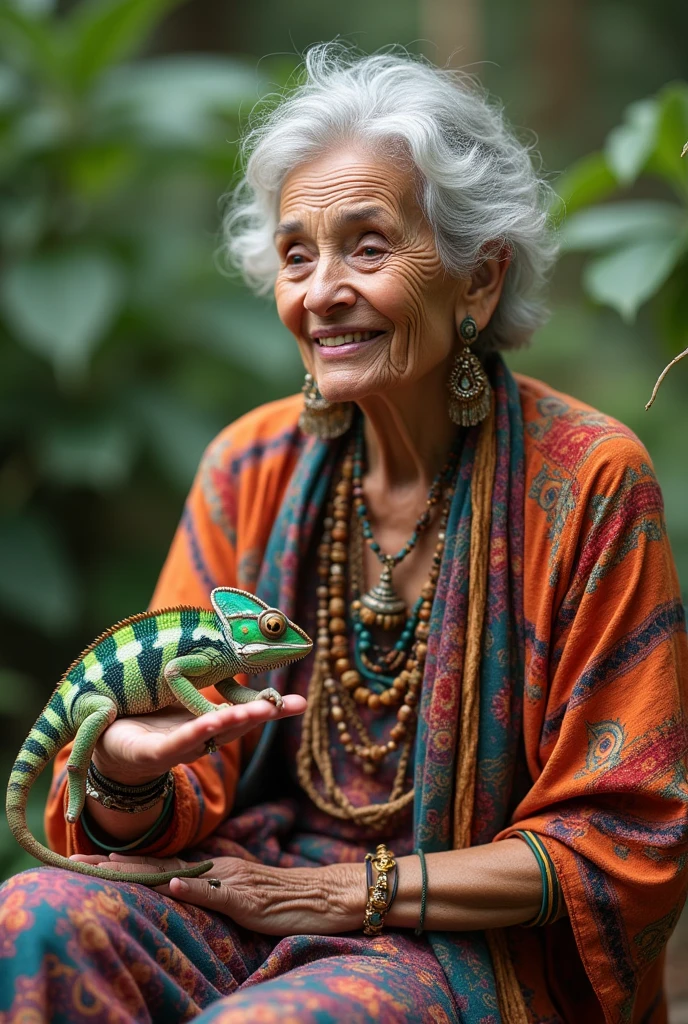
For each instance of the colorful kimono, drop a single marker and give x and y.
(582, 740)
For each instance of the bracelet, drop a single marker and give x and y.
(551, 890)
(423, 891)
(117, 796)
(157, 827)
(377, 903)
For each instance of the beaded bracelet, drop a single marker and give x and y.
(551, 890)
(378, 904)
(146, 839)
(117, 796)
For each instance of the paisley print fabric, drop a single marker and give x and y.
(582, 726)
(77, 949)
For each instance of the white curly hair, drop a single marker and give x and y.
(478, 186)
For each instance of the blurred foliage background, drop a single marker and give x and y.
(123, 349)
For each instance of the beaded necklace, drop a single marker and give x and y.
(381, 605)
(337, 688)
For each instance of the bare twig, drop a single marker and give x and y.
(666, 369)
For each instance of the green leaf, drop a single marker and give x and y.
(588, 181)
(629, 276)
(28, 43)
(22, 221)
(97, 455)
(11, 87)
(224, 325)
(34, 8)
(37, 584)
(105, 32)
(672, 133)
(61, 304)
(176, 432)
(99, 170)
(673, 310)
(628, 146)
(176, 100)
(606, 226)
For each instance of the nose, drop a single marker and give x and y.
(328, 291)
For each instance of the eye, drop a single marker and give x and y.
(272, 623)
(370, 250)
(296, 255)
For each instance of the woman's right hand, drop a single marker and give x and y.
(140, 748)
(137, 749)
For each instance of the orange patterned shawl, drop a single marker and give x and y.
(606, 684)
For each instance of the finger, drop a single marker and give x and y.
(239, 717)
(224, 725)
(146, 863)
(132, 867)
(208, 892)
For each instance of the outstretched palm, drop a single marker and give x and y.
(139, 748)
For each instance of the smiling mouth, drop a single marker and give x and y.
(348, 339)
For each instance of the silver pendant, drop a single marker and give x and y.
(381, 605)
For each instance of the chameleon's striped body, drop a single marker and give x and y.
(126, 662)
(140, 665)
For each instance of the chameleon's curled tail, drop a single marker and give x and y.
(47, 737)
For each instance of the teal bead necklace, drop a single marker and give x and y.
(381, 606)
(378, 664)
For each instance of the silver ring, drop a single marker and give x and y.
(209, 746)
(214, 883)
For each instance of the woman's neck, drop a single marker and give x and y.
(408, 434)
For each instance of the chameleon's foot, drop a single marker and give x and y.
(269, 693)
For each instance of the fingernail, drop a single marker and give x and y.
(182, 885)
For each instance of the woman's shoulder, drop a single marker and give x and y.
(565, 438)
(266, 423)
(267, 435)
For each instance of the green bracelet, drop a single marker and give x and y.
(137, 843)
(551, 892)
(423, 891)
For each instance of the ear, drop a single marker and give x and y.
(230, 601)
(480, 292)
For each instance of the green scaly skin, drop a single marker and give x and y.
(142, 664)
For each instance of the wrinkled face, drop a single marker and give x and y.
(261, 637)
(361, 285)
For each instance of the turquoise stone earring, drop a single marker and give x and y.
(469, 388)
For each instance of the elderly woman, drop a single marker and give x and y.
(495, 703)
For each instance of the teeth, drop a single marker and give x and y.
(347, 339)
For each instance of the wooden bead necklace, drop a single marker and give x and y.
(337, 688)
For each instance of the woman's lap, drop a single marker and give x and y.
(75, 948)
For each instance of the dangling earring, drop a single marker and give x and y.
(321, 418)
(469, 387)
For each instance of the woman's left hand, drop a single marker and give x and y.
(274, 901)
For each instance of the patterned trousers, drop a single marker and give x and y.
(76, 949)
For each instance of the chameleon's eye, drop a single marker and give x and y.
(272, 623)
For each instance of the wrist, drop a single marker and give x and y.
(347, 894)
(118, 824)
(126, 775)
(405, 911)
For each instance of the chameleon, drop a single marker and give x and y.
(142, 664)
